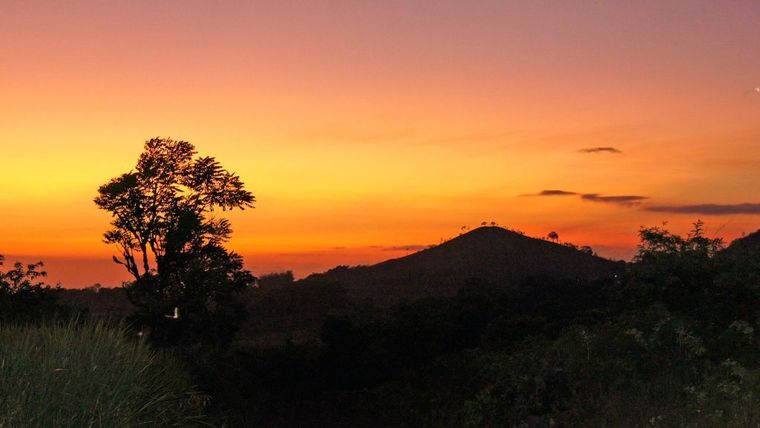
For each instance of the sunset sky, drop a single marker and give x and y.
(366, 127)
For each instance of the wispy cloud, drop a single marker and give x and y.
(411, 247)
(600, 150)
(708, 209)
(624, 200)
(551, 193)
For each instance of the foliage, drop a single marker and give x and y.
(90, 375)
(163, 213)
(276, 279)
(24, 296)
(660, 346)
(647, 367)
(678, 271)
(657, 345)
(669, 260)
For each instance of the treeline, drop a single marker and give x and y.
(672, 342)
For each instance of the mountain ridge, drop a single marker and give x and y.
(490, 254)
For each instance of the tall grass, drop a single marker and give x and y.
(90, 375)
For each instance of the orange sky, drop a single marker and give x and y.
(362, 127)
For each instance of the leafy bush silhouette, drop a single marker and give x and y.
(25, 297)
(678, 271)
(186, 285)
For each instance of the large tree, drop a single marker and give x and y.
(187, 285)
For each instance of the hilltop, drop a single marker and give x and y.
(748, 242)
(490, 255)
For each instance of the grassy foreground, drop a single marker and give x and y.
(90, 375)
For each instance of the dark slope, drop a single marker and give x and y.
(489, 254)
(749, 242)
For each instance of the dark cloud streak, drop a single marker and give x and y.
(600, 150)
(708, 209)
(551, 193)
(624, 200)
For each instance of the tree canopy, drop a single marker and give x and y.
(171, 240)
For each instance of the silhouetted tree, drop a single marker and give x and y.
(554, 236)
(678, 270)
(24, 296)
(186, 285)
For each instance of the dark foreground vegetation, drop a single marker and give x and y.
(491, 329)
(671, 341)
(88, 374)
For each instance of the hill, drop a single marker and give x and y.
(490, 255)
(749, 242)
(485, 256)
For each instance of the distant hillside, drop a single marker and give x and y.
(489, 254)
(749, 242)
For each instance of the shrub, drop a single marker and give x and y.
(24, 296)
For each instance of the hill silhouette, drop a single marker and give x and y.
(750, 242)
(486, 255)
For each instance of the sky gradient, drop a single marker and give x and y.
(364, 128)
